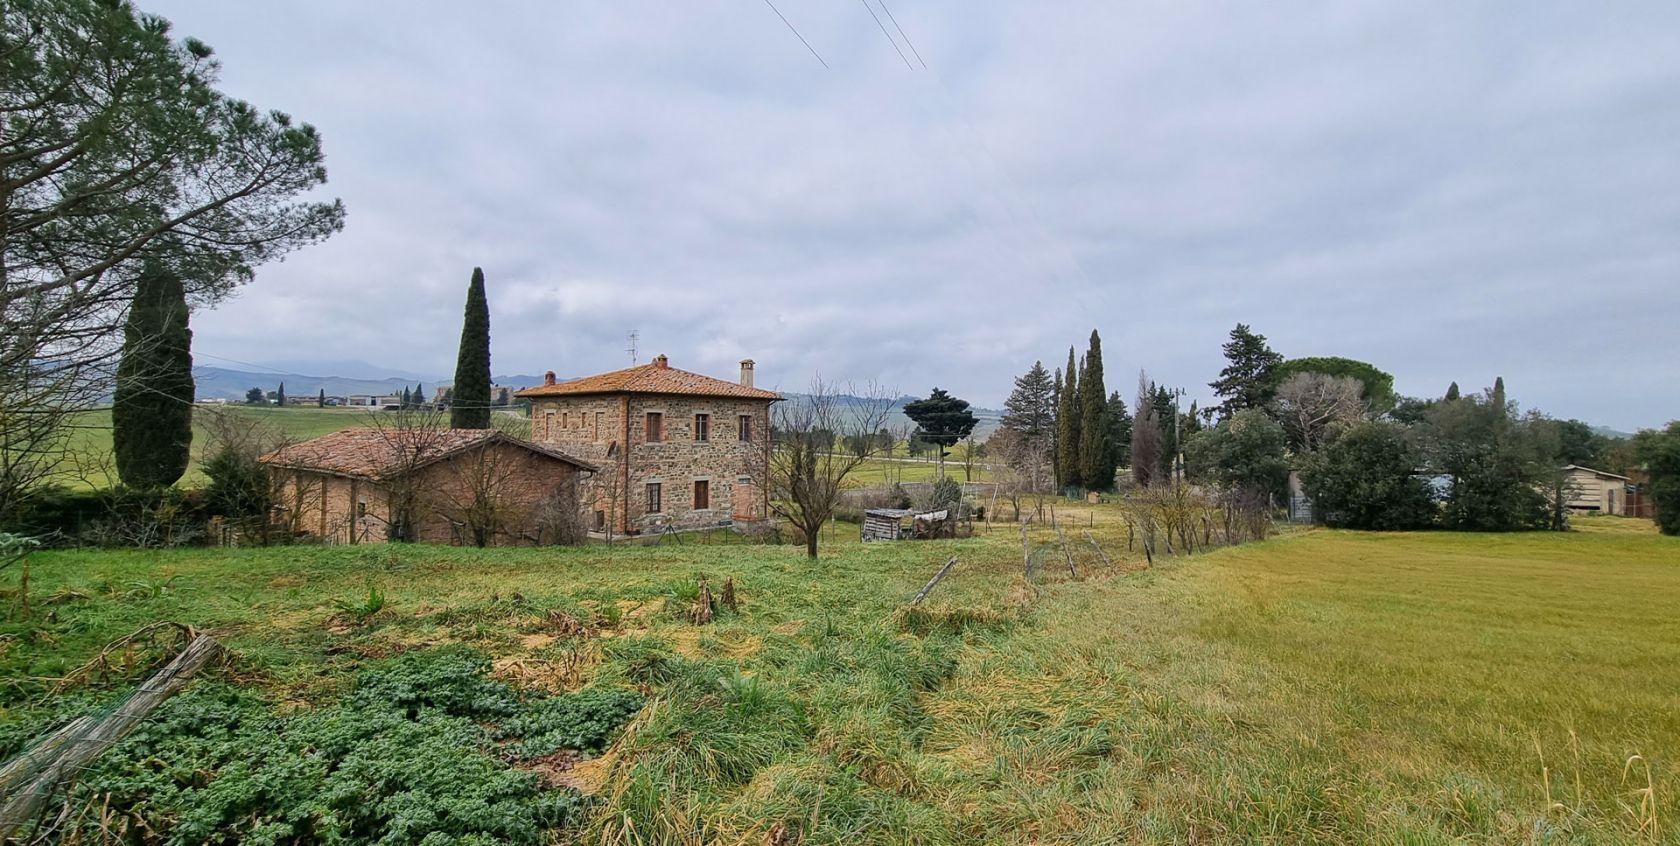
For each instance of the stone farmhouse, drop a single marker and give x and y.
(463, 486)
(676, 449)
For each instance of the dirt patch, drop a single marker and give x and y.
(533, 642)
(567, 768)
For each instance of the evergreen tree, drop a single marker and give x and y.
(151, 411)
(1067, 428)
(1119, 423)
(280, 396)
(1145, 442)
(941, 420)
(1166, 416)
(1248, 380)
(1500, 404)
(471, 408)
(255, 397)
(321, 399)
(406, 401)
(419, 395)
(1452, 392)
(1031, 407)
(1094, 466)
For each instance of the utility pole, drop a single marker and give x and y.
(1178, 445)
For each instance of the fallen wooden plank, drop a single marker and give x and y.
(80, 749)
(928, 588)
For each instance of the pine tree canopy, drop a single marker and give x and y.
(1031, 408)
(151, 411)
(1249, 378)
(941, 419)
(470, 408)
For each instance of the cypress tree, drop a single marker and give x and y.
(280, 396)
(1499, 395)
(1094, 468)
(1067, 428)
(321, 399)
(1452, 392)
(419, 395)
(151, 412)
(406, 401)
(471, 406)
(1119, 422)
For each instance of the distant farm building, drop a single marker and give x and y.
(1596, 490)
(678, 450)
(369, 485)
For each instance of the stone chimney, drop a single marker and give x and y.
(746, 372)
(661, 362)
(548, 378)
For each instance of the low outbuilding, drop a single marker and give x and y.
(464, 486)
(1596, 491)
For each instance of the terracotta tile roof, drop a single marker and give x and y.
(655, 378)
(372, 453)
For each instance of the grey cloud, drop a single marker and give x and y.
(1448, 190)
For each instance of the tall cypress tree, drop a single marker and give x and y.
(151, 412)
(1452, 392)
(1067, 427)
(1094, 468)
(419, 395)
(321, 399)
(471, 406)
(280, 396)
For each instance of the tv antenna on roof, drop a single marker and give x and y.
(631, 349)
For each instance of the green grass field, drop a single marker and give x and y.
(90, 443)
(1321, 686)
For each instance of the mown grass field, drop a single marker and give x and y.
(90, 443)
(1318, 687)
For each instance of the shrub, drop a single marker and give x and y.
(1367, 479)
(1660, 450)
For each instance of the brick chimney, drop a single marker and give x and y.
(548, 378)
(746, 372)
(661, 362)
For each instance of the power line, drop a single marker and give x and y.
(886, 33)
(900, 29)
(795, 32)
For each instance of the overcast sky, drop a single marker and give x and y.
(1451, 191)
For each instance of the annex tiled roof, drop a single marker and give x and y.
(373, 453)
(655, 378)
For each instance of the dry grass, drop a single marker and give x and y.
(1318, 687)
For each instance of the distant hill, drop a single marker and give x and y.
(231, 384)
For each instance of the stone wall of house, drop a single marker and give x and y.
(593, 428)
(524, 485)
(338, 509)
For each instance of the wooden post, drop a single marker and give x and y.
(82, 747)
(1099, 550)
(1026, 553)
(1067, 552)
(922, 594)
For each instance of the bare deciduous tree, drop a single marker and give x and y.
(1147, 437)
(1312, 405)
(414, 437)
(807, 475)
